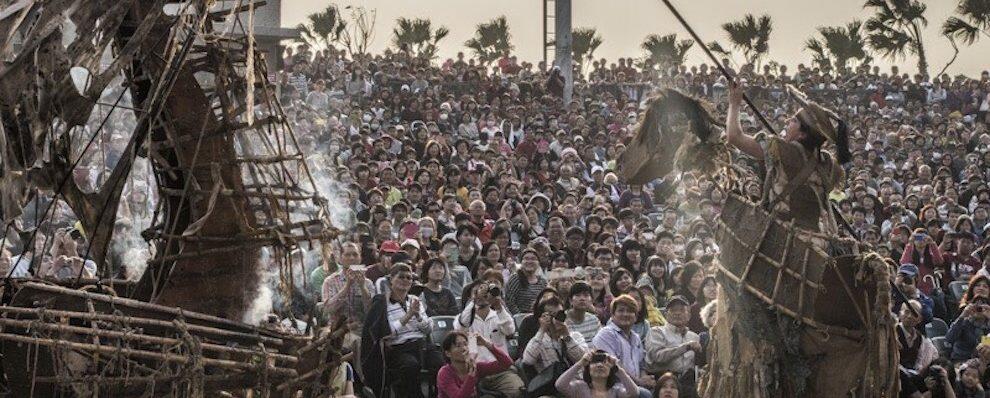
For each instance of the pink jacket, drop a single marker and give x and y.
(450, 385)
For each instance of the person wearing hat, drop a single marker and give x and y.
(673, 346)
(907, 281)
(796, 156)
(916, 350)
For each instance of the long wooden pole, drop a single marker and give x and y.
(718, 64)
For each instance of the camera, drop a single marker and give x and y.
(494, 290)
(598, 357)
(560, 316)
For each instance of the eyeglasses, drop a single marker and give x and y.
(404, 276)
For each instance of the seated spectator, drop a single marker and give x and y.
(667, 387)
(656, 278)
(581, 312)
(673, 347)
(486, 316)
(709, 289)
(531, 323)
(347, 295)
(967, 330)
(553, 341)
(923, 253)
(439, 300)
(525, 284)
(916, 351)
(601, 376)
(618, 339)
(393, 339)
(907, 281)
(969, 385)
(459, 378)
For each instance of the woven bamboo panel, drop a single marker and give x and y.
(764, 257)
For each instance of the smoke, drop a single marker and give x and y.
(137, 204)
(263, 302)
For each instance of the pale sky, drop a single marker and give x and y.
(623, 24)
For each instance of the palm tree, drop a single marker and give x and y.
(666, 51)
(491, 40)
(323, 28)
(838, 45)
(973, 20)
(895, 29)
(417, 37)
(584, 42)
(751, 36)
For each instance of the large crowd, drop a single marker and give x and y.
(490, 247)
(493, 239)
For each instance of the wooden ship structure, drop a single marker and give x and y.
(236, 199)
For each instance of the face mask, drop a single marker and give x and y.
(443, 116)
(426, 232)
(491, 124)
(375, 126)
(366, 118)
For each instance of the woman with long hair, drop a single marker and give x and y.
(655, 276)
(601, 376)
(598, 279)
(631, 257)
(709, 290)
(666, 386)
(691, 278)
(979, 286)
(531, 323)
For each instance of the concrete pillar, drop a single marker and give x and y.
(562, 36)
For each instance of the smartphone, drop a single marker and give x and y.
(598, 357)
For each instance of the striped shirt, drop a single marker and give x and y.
(587, 328)
(416, 329)
(520, 298)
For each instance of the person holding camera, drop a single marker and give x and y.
(940, 380)
(907, 281)
(459, 377)
(600, 376)
(553, 343)
(967, 330)
(923, 252)
(487, 316)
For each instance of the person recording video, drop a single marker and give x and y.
(487, 316)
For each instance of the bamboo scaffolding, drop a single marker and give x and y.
(141, 321)
(133, 336)
(135, 353)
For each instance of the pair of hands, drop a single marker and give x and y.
(472, 362)
(693, 345)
